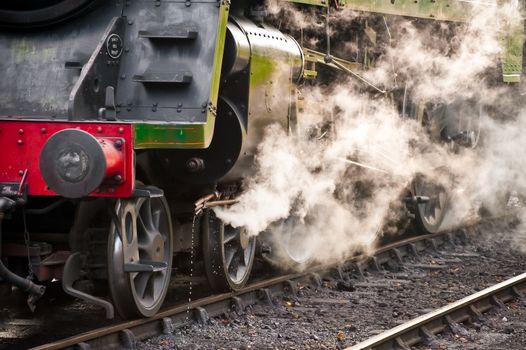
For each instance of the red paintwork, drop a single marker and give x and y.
(22, 141)
(115, 159)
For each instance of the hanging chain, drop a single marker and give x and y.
(27, 240)
(191, 267)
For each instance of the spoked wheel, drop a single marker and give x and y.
(429, 215)
(228, 253)
(140, 256)
(462, 122)
(290, 244)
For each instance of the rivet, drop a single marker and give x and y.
(99, 129)
(43, 130)
(118, 178)
(20, 142)
(130, 22)
(118, 143)
(121, 130)
(20, 172)
(21, 131)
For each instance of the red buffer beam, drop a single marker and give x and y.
(70, 159)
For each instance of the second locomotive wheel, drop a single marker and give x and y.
(430, 214)
(140, 256)
(290, 244)
(228, 253)
(462, 121)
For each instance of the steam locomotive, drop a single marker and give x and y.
(123, 122)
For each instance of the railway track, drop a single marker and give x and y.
(125, 334)
(427, 326)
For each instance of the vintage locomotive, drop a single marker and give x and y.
(120, 120)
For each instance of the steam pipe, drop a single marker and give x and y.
(8, 276)
(220, 203)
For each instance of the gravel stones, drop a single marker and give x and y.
(341, 313)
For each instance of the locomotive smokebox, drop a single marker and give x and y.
(74, 163)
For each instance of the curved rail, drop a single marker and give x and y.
(426, 326)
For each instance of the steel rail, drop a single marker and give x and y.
(124, 334)
(426, 326)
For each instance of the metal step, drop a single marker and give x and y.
(145, 266)
(149, 77)
(169, 34)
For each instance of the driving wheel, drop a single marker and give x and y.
(140, 256)
(429, 214)
(228, 253)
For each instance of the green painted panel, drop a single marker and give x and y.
(164, 135)
(512, 41)
(457, 11)
(443, 10)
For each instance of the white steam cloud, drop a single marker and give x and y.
(335, 186)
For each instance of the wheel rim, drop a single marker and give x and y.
(432, 212)
(146, 237)
(292, 242)
(228, 253)
(465, 116)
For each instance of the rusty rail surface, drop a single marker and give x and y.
(125, 334)
(426, 326)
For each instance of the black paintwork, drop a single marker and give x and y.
(163, 73)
